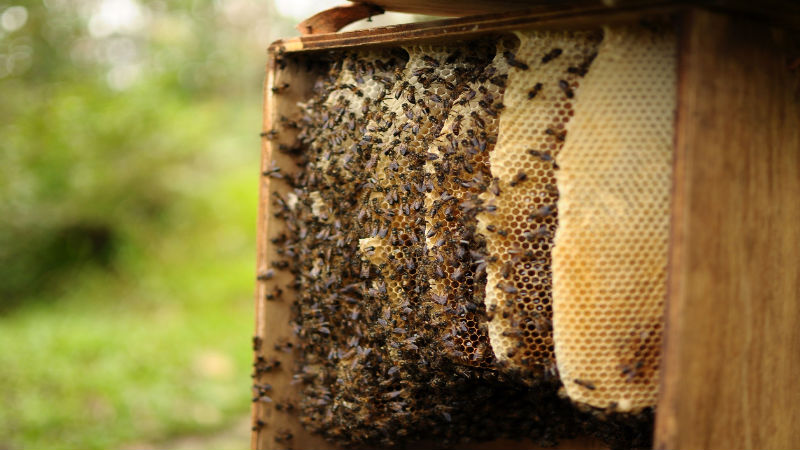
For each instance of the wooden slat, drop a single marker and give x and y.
(542, 15)
(573, 14)
(334, 19)
(777, 9)
(273, 316)
(732, 355)
(461, 8)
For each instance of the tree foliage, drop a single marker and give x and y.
(111, 111)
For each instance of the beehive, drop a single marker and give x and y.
(471, 236)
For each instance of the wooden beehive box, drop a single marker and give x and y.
(727, 342)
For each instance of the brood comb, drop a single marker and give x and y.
(470, 226)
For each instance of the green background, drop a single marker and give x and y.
(129, 157)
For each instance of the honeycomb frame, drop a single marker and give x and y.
(610, 257)
(543, 88)
(387, 252)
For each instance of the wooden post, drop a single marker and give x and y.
(732, 357)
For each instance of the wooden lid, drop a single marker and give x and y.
(460, 8)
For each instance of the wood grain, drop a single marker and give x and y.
(273, 316)
(463, 8)
(450, 8)
(732, 352)
(574, 14)
(544, 14)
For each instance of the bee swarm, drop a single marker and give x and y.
(420, 217)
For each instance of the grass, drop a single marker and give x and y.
(157, 347)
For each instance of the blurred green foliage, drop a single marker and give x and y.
(128, 177)
(108, 115)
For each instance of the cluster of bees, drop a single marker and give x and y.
(389, 268)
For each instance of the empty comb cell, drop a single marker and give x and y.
(610, 254)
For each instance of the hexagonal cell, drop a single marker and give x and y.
(610, 255)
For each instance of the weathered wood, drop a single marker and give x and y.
(273, 316)
(463, 8)
(573, 15)
(506, 16)
(732, 352)
(781, 10)
(334, 19)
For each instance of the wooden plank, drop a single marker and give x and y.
(334, 19)
(539, 13)
(569, 14)
(273, 316)
(461, 8)
(732, 352)
(572, 15)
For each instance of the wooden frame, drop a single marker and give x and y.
(732, 348)
(732, 345)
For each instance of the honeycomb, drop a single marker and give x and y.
(610, 257)
(420, 218)
(459, 167)
(541, 97)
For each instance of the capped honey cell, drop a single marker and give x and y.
(610, 255)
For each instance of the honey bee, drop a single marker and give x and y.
(559, 135)
(512, 61)
(477, 120)
(270, 135)
(410, 96)
(583, 383)
(280, 88)
(518, 178)
(266, 275)
(564, 86)
(551, 55)
(430, 60)
(583, 68)
(535, 91)
(457, 124)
